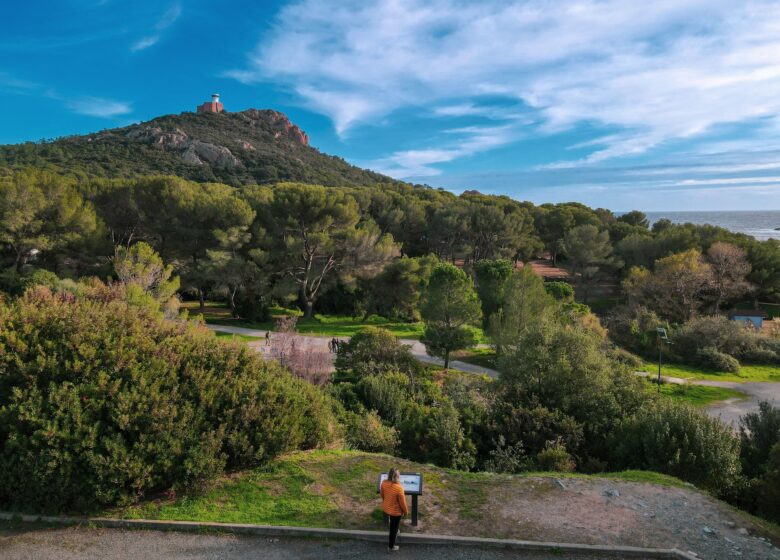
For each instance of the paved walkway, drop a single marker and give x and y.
(731, 410)
(119, 544)
(417, 348)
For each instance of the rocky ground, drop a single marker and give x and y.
(599, 511)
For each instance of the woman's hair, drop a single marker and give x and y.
(393, 475)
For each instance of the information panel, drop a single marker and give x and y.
(412, 483)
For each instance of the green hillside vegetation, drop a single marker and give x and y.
(275, 154)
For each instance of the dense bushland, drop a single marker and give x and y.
(103, 402)
(709, 341)
(563, 402)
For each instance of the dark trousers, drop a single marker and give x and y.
(395, 521)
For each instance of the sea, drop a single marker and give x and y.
(761, 224)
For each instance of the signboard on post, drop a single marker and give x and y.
(412, 483)
(413, 486)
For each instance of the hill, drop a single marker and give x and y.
(338, 489)
(251, 146)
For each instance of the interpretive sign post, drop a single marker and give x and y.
(413, 486)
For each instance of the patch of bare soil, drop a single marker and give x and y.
(600, 511)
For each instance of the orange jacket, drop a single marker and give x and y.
(393, 498)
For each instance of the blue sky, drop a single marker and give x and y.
(663, 105)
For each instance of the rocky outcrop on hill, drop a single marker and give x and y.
(280, 124)
(198, 152)
(192, 151)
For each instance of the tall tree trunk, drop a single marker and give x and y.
(232, 293)
(308, 308)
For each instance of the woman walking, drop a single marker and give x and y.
(393, 503)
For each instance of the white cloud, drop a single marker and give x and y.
(652, 71)
(468, 141)
(144, 43)
(98, 107)
(168, 18)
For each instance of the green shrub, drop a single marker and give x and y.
(554, 457)
(252, 306)
(388, 394)
(728, 337)
(760, 356)
(768, 487)
(676, 439)
(102, 403)
(561, 291)
(566, 369)
(507, 458)
(366, 432)
(40, 277)
(374, 351)
(709, 357)
(634, 328)
(758, 431)
(627, 358)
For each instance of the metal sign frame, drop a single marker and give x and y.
(413, 494)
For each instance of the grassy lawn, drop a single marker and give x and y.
(484, 357)
(328, 325)
(212, 310)
(747, 372)
(231, 336)
(697, 395)
(319, 325)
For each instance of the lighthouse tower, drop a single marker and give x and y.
(213, 106)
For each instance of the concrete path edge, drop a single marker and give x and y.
(616, 551)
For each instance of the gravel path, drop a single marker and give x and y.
(117, 544)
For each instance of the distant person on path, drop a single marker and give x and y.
(267, 338)
(393, 503)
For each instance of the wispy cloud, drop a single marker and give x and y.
(168, 18)
(98, 107)
(89, 105)
(16, 85)
(652, 72)
(466, 141)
